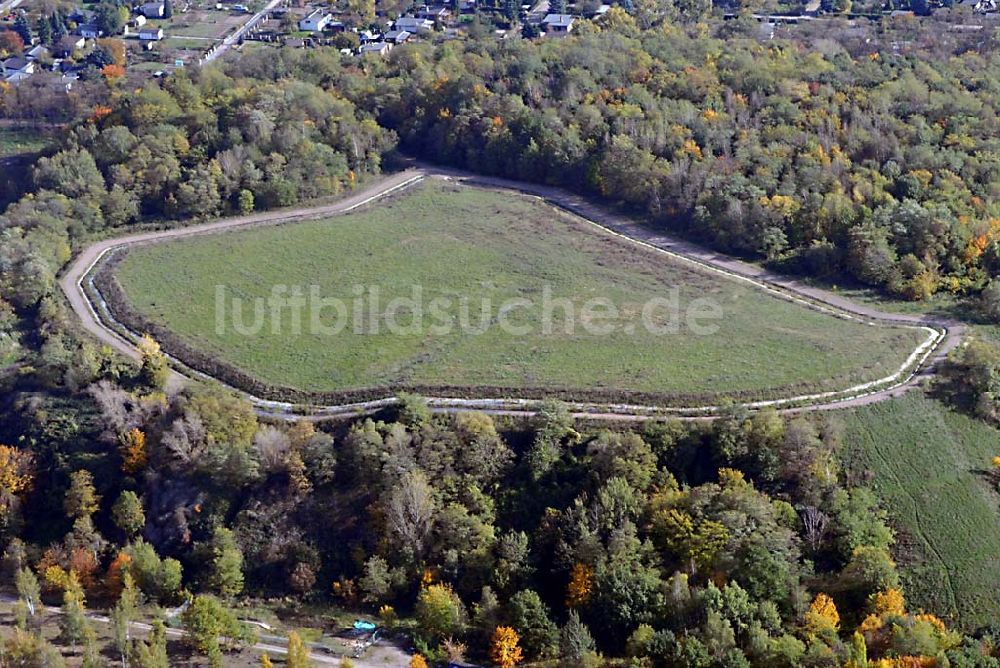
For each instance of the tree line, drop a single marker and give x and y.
(731, 543)
(738, 543)
(826, 160)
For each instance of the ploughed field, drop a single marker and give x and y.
(514, 298)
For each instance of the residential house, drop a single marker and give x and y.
(150, 33)
(70, 71)
(413, 25)
(81, 16)
(17, 69)
(134, 25)
(397, 36)
(316, 20)
(153, 10)
(89, 31)
(558, 24)
(37, 52)
(377, 48)
(68, 44)
(433, 14)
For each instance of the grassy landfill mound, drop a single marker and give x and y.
(456, 241)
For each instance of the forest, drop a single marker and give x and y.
(732, 543)
(834, 159)
(740, 542)
(822, 161)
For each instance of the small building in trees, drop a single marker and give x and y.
(397, 36)
(17, 69)
(89, 31)
(81, 16)
(68, 45)
(37, 52)
(413, 25)
(436, 13)
(376, 48)
(153, 10)
(315, 21)
(150, 33)
(558, 24)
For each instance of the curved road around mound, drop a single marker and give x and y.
(943, 334)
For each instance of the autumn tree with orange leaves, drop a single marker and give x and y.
(114, 582)
(132, 448)
(112, 72)
(115, 48)
(504, 649)
(581, 581)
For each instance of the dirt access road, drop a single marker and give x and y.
(943, 334)
(380, 655)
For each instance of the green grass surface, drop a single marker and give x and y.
(184, 44)
(201, 23)
(460, 241)
(987, 332)
(16, 141)
(930, 470)
(942, 304)
(151, 66)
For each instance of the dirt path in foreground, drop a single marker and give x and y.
(381, 654)
(71, 284)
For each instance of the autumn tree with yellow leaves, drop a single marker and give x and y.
(822, 619)
(504, 649)
(581, 581)
(16, 476)
(153, 370)
(696, 542)
(132, 448)
(15, 470)
(889, 628)
(298, 653)
(82, 499)
(889, 603)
